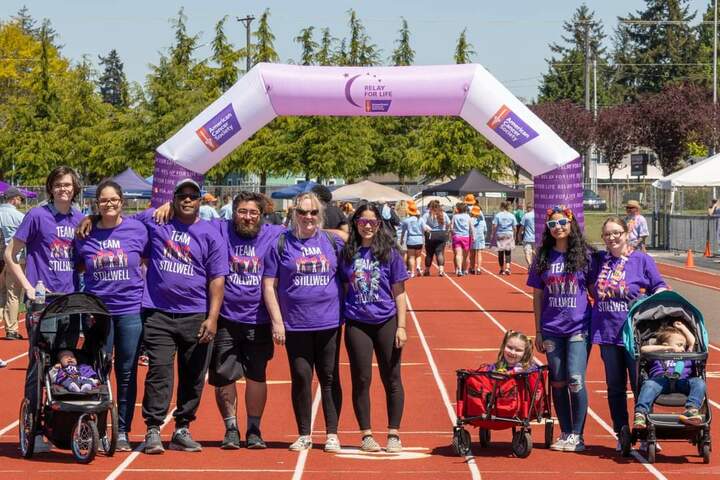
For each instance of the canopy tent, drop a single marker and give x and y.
(370, 191)
(133, 185)
(294, 190)
(705, 173)
(4, 186)
(473, 182)
(446, 203)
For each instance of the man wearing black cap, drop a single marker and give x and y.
(10, 287)
(334, 217)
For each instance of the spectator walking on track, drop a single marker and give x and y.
(562, 320)
(301, 289)
(479, 227)
(374, 306)
(10, 288)
(436, 225)
(618, 276)
(527, 233)
(503, 229)
(111, 257)
(462, 237)
(411, 234)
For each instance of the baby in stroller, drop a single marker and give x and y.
(663, 373)
(74, 377)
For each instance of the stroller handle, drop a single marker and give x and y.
(662, 356)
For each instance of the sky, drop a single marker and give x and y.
(510, 38)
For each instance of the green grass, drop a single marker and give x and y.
(593, 225)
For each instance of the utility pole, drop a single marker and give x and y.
(593, 172)
(587, 95)
(246, 21)
(715, 52)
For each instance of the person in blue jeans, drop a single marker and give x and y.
(675, 338)
(111, 256)
(562, 319)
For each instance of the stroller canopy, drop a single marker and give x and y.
(68, 318)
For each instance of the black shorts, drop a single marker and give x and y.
(240, 350)
(415, 248)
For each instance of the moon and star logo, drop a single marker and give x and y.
(376, 96)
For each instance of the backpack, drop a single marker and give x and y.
(282, 239)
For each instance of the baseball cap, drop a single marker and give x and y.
(13, 192)
(186, 182)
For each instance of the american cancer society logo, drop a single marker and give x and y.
(511, 127)
(219, 129)
(376, 96)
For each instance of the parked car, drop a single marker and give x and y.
(592, 201)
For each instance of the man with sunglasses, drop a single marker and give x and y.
(637, 225)
(244, 345)
(182, 299)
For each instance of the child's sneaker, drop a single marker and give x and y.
(574, 443)
(639, 423)
(691, 416)
(559, 445)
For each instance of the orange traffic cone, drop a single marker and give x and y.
(690, 261)
(708, 250)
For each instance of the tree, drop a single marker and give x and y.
(463, 49)
(656, 46)
(112, 82)
(360, 52)
(225, 57)
(25, 21)
(565, 78)
(615, 134)
(264, 48)
(308, 45)
(704, 56)
(569, 120)
(324, 55)
(403, 53)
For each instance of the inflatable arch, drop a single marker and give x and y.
(468, 91)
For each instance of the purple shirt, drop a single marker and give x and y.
(660, 368)
(183, 260)
(615, 283)
(565, 309)
(243, 300)
(308, 285)
(369, 297)
(49, 236)
(112, 259)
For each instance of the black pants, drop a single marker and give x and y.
(361, 339)
(504, 257)
(319, 351)
(165, 335)
(436, 248)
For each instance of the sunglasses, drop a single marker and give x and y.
(303, 213)
(185, 196)
(367, 222)
(557, 223)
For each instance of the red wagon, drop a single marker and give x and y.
(491, 400)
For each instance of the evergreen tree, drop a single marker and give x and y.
(360, 51)
(225, 57)
(403, 53)
(705, 48)
(308, 45)
(463, 49)
(26, 22)
(656, 46)
(112, 83)
(324, 55)
(264, 48)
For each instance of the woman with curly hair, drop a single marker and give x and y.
(562, 320)
(374, 275)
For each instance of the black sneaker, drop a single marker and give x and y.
(231, 440)
(182, 441)
(254, 441)
(153, 442)
(14, 336)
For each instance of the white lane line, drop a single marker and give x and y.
(9, 427)
(470, 459)
(135, 453)
(594, 415)
(302, 456)
(16, 357)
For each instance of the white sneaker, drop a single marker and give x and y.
(575, 443)
(41, 446)
(618, 446)
(332, 444)
(3, 363)
(559, 445)
(304, 442)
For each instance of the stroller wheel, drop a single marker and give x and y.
(549, 427)
(625, 438)
(706, 452)
(109, 437)
(484, 437)
(651, 451)
(85, 440)
(461, 441)
(522, 444)
(26, 430)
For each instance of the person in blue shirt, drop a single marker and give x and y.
(527, 233)
(413, 237)
(479, 231)
(503, 230)
(461, 238)
(10, 288)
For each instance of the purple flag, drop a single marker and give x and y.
(166, 175)
(562, 186)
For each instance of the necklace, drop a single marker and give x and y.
(611, 279)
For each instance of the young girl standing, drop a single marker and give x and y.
(479, 231)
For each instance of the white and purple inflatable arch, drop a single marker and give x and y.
(468, 91)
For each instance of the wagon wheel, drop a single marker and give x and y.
(522, 444)
(484, 437)
(625, 441)
(549, 427)
(706, 452)
(461, 441)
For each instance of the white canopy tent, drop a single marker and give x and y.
(705, 173)
(446, 203)
(370, 191)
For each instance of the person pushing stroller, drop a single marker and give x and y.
(676, 338)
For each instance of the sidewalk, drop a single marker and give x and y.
(676, 258)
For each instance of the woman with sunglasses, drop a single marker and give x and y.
(562, 320)
(111, 257)
(306, 317)
(374, 308)
(618, 276)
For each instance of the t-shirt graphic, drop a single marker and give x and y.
(311, 262)
(110, 263)
(61, 250)
(366, 279)
(177, 256)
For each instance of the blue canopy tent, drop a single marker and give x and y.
(133, 185)
(293, 190)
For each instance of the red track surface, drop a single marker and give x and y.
(461, 322)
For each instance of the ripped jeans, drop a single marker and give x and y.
(567, 362)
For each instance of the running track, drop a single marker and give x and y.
(455, 323)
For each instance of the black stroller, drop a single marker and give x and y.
(644, 320)
(78, 421)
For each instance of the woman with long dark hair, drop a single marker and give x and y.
(562, 319)
(375, 305)
(436, 225)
